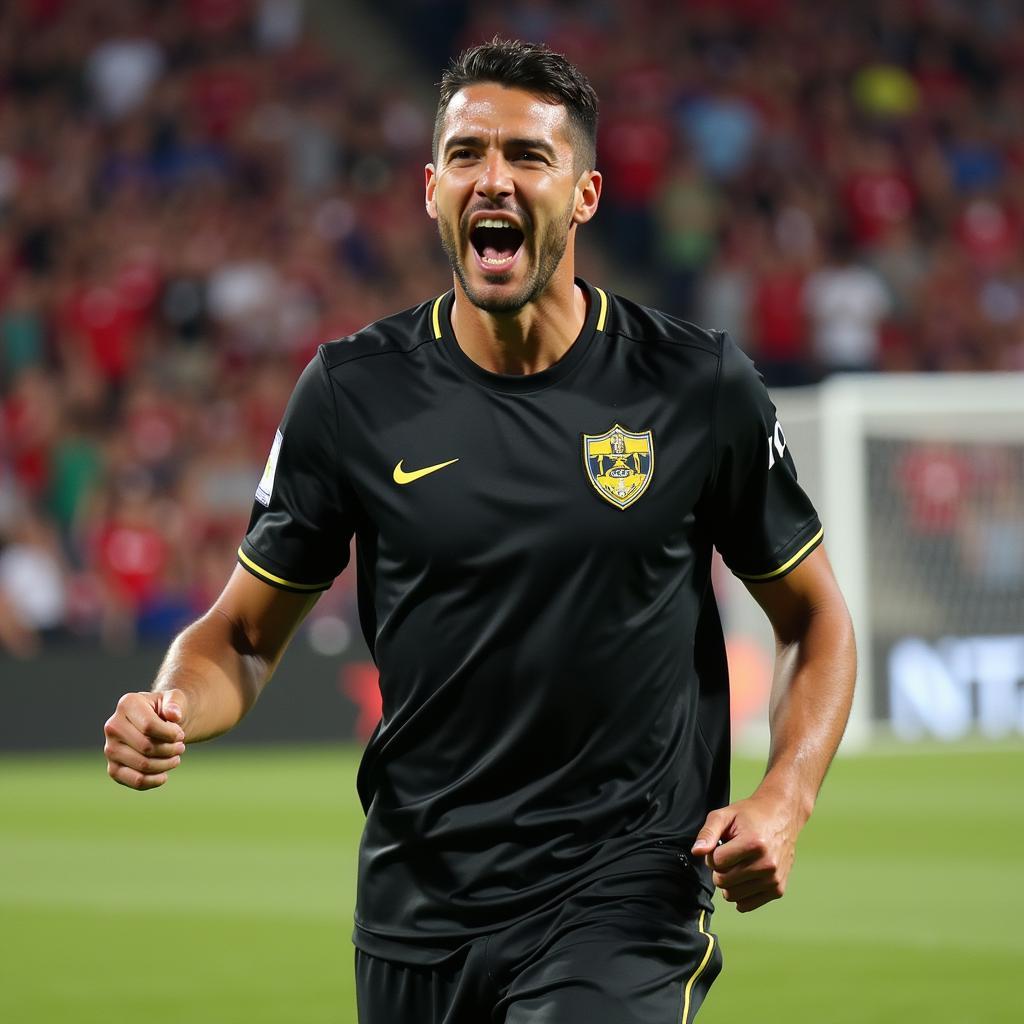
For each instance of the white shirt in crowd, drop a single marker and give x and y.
(846, 305)
(31, 580)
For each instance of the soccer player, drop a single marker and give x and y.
(535, 472)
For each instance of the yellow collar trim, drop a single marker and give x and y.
(435, 313)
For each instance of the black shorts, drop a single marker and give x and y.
(632, 947)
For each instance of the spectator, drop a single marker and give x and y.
(687, 212)
(845, 303)
(122, 69)
(723, 127)
(33, 590)
(778, 320)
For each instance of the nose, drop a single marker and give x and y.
(495, 181)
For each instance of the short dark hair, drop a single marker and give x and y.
(533, 68)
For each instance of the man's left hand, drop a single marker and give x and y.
(758, 845)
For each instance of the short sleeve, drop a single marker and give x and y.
(302, 518)
(764, 524)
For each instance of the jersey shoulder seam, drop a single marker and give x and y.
(397, 334)
(719, 337)
(681, 342)
(334, 398)
(627, 320)
(355, 358)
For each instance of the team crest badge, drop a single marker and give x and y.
(619, 463)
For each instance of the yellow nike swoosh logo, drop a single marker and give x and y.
(402, 477)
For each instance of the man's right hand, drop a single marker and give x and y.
(145, 738)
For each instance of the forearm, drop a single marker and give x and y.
(811, 697)
(215, 666)
(751, 843)
(211, 677)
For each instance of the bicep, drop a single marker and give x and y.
(791, 602)
(263, 617)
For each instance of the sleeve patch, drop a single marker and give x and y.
(266, 484)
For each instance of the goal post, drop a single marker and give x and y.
(919, 481)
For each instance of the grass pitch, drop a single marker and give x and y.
(226, 897)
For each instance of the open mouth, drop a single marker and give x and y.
(497, 243)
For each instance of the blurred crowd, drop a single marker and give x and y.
(841, 185)
(193, 195)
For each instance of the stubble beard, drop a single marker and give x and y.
(550, 250)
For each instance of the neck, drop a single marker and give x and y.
(528, 340)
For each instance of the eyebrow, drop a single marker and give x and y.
(476, 142)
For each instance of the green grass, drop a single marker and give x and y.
(227, 895)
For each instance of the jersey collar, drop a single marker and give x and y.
(520, 383)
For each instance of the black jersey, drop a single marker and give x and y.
(534, 560)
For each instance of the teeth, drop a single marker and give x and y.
(490, 222)
(497, 262)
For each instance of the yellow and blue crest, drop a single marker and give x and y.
(619, 463)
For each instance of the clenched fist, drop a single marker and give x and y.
(145, 738)
(750, 846)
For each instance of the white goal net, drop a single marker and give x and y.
(919, 480)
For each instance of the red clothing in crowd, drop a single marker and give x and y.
(132, 558)
(777, 315)
(875, 200)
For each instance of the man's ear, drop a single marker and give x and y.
(588, 195)
(429, 187)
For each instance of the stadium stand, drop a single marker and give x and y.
(194, 195)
